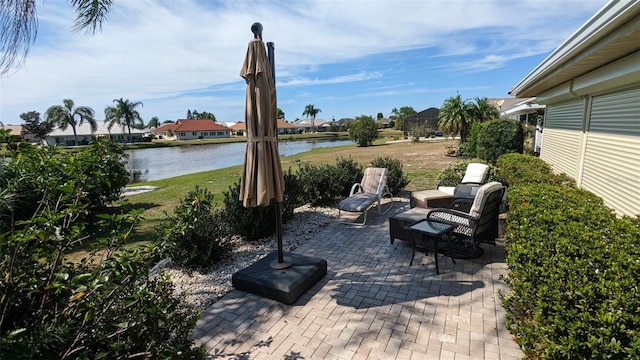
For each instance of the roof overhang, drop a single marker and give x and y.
(611, 34)
(524, 109)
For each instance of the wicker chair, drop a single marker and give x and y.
(373, 188)
(476, 220)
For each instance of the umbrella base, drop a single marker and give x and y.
(284, 285)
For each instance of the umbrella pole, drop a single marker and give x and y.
(281, 264)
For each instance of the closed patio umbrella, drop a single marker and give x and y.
(280, 279)
(262, 179)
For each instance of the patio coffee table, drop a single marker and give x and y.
(434, 230)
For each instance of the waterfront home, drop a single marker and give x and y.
(85, 135)
(240, 128)
(188, 129)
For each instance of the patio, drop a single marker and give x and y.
(370, 305)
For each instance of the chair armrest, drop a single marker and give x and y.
(382, 190)
(354, 188)
(451, 216)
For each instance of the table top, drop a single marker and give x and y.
(431, 227)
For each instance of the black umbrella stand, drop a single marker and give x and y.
(275, 276)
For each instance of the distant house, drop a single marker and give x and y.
(591, 87)
(17, 130)
(117, 133)
(429, 117)
(284, 127)
(189, 129)
(522, 109)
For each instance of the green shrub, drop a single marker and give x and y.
(260, 222)
(347, 173)
(103, 306)
(518, 169)
(197, 234)
(454, 172)
(324, 184)
(499, 137)
(574, 270)
(472, 143)
(363, 130)
(397, 179)
(98, 170)
(320, 184)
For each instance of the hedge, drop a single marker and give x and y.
(574, 271)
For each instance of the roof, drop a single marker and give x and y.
(611, 34)
(15, 129)
(184, 125)
(428, 114)
(281, 125)
(84, 129)
(526, 106)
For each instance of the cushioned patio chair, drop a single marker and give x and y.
(476, 220)
(475, 175)
(371, 190)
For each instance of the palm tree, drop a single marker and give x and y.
(154, 122)
(19, 26)
(454, 117)
(68, 115)
(483, 111)
(124, 113)
(312, 111)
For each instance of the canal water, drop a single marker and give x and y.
(165, 162)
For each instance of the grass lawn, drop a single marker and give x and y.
(421, 161)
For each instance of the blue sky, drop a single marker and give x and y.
(347, 58)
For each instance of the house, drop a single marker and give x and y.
(189, 129)
(284, 127)
(85, 135)
(523, 109)
(17, 130)
(428, 117)
(590, 85)
(305, 125)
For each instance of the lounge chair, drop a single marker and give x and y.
(363, 195)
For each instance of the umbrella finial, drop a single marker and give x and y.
(256, 29)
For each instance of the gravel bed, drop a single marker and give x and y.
(205, 286)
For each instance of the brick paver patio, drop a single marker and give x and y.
(370, 305)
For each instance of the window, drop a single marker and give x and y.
(194, 133)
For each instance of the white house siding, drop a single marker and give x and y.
(191, 135)
(562, 136)
(603, 152)
(611, 165)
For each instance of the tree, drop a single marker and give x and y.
(483, 111)
(363, 131)
(19, 26)
(312, 111)
(280, 114)
(400, 114)
(499, 137)
(68, 115)
(380, 116)
(34, 126)
(124, 113)
(200, 115)
(154, 121)
(454, 117)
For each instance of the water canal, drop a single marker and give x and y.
(165, 162)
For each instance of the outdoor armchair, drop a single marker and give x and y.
(475, 175)
(475, 221)
(363, 195)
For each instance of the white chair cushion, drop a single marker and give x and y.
(476, 173)
(481, 196)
